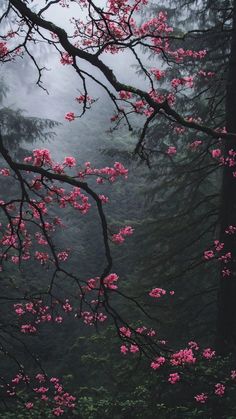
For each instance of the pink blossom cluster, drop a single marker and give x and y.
(231, 230)
(219, 389)
(105, 173)
(3, 50)
(90, 318)
(120, 237)
(174, 378)
(208, 254)
(204, 73)
(224, 258)
(66, 59)
(193, 345)
(5, 172)
(124, 349)
(70, 116)
(159, 74)
(157, 292)
(46, 389)
(145, 330)
(84, 99)
(36, 312)
(72, 199)
(201, 398)
(183, 81)
(125, 95)
(69, 161)
(216, 153)
(184, 356)
(125, 331)
(208, 353)
(110, 281)
(158, 362)
(171, 150)
(195, 145)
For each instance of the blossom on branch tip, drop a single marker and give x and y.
(70, 116)
(69, 161)
(208, 254)
(110, 281)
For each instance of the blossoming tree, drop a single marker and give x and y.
(28, 226)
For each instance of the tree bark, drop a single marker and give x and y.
(226, 322)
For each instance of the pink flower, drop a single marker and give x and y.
(127, 231)
(41, 390)
(19, 309)
(42, 257)
(5, 172)
(104, 199)
(84, 98)
(218, 245)
(226, 272)
(110, 281)
(63, 256)
(117, 238)
(158, 362)
(125, 331)
(28, 328)
(201, 398)
(208, 254)
(58, 319)
(69, 161)
(124, 349)
(125, 95)
(3, 49)
(40, 378)
(208, 353)
(58, 411)
(193, 345)
(233, 374)
(184, 356)
(70, 116)
(219, 389)
(67, 307)
(195, 144)
(157, 292)
(157, 73)
(216, 153)
(171, 151)
(66, 59)
(134, 348)
(42, 156)
(174, 378)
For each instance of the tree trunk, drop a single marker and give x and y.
(226, 322)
